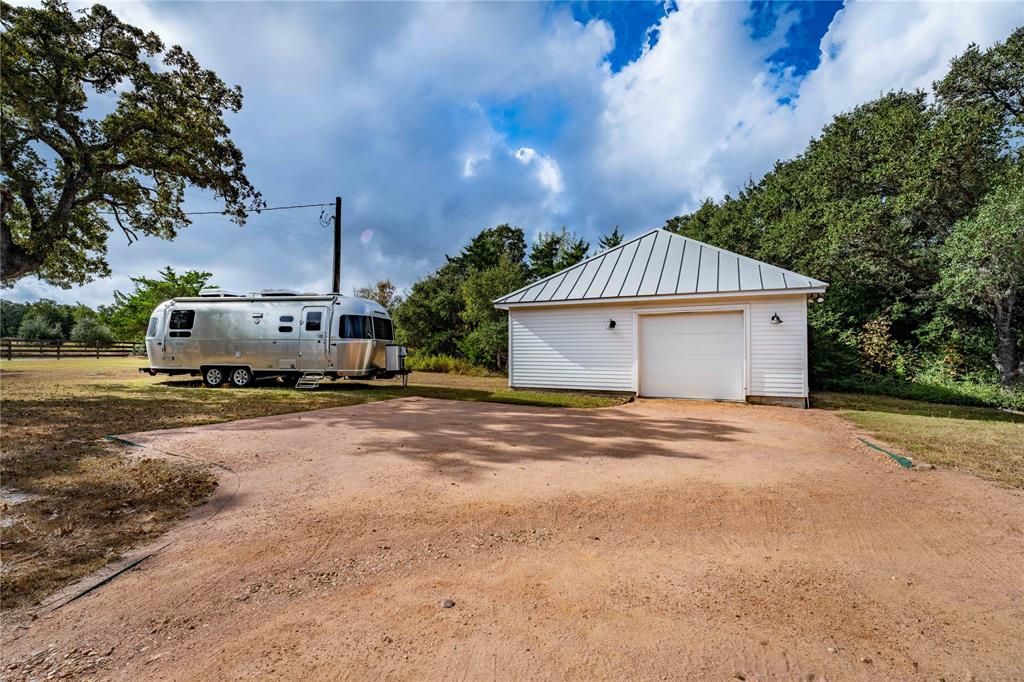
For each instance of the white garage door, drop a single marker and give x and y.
(692, 355)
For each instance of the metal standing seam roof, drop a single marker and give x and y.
(660, 263)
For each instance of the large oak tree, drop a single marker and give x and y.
(67, 180)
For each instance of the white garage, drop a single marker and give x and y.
(665, 316)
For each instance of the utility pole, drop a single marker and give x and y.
(336, 280)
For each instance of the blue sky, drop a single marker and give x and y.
(434, 121)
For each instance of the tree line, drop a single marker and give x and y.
(125, 319)
(910, 205)
(449, 312)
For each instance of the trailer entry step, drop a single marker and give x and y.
(309, 380)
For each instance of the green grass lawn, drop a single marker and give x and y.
(93, 504)
(977, 440)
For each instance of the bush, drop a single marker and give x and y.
(487, 345)
(91, 331)
(446, 364)
(978, 394)
(36, 327)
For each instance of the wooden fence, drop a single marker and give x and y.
(26, 348)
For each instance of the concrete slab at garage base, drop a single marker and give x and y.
(678, 539)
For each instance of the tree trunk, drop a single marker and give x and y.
(1006, 356)
(15, 260)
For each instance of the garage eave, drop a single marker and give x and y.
(668, 298)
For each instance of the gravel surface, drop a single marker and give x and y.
(657, 540)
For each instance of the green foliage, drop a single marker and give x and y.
(129, 315)
(430, 318)
(59, 315)
(554, 251)
(979, 394)
(904, 206)
(63, 174)
(486, 345)
(11, 314)
(451, 313)
(983, 270)
(610, 240)
(384, 292)
(490, 247)
(91, 330)
(447, 364)
(992, 80)
(36, 326)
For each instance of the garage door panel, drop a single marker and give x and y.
(692, 355)
(697, 387)
(691, 344)
(701, 367)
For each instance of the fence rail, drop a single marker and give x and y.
(31, 348)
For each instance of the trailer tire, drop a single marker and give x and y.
(213, 377)
(241, 377)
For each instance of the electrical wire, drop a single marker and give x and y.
(246, 210)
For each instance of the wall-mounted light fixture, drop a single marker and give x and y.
(776, 319)
(820, 299)
(611, 324)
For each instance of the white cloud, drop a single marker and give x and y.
(399, 109)
(549, 174)
(699, 113)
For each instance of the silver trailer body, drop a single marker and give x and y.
(271, 335)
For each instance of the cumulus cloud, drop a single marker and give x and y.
(435, 121)
(549, 175)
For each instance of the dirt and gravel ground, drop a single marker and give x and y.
(657, 540)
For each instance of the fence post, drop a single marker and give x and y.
(58, 349)
(97, 349)
(10, 349)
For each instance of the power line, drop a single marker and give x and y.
(348, 231)
(223, 216)
(246, 210)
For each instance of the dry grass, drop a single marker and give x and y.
(982, 441)
(94, 504)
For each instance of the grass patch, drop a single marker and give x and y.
(94, 504)
(982, 441)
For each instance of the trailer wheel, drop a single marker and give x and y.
(213, 377)
(241, 377)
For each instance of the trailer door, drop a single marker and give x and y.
(313, 338)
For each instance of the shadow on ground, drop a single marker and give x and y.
(466, 442)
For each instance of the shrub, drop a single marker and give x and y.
(36, 327)
(91, 331)
(974, 393)
(446, 364)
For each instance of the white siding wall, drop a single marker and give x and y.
(778, 352)
(571, 347)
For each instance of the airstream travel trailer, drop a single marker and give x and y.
(303, 338)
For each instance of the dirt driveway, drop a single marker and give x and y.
(658, 540)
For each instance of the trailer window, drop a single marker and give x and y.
(313, 321)
(355, 327)
(284, 328)
(151, 332)
(382, 328)
(182, 319)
